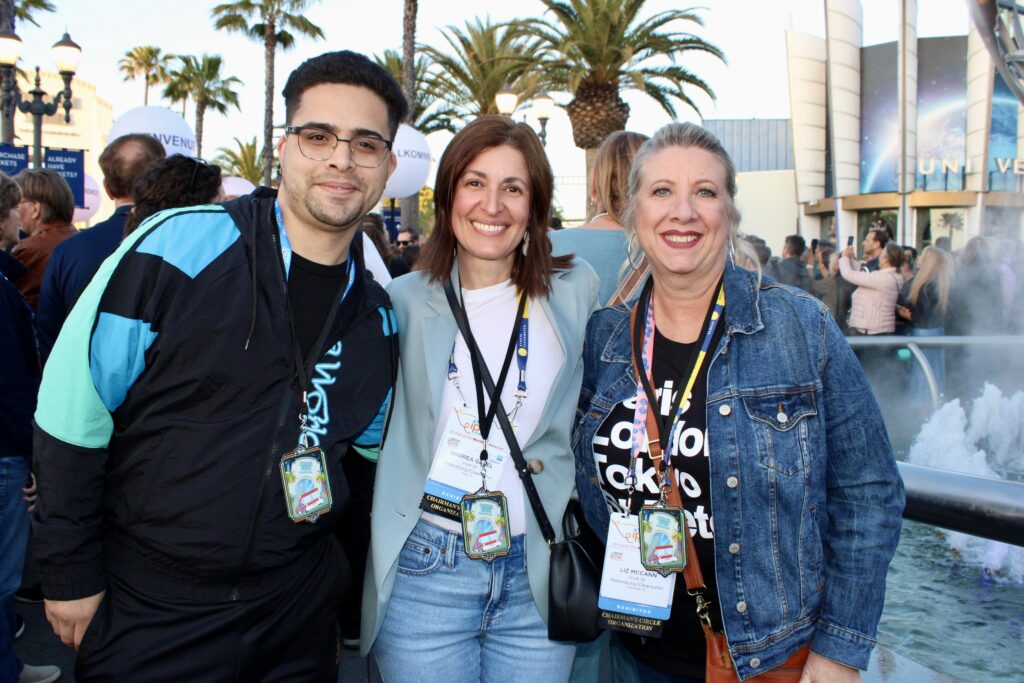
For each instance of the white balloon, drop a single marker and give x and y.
(236, 187)
(413, 153)
(92, 201)
(163, 124)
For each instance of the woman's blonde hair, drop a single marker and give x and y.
(610, 173)
(684, 135)
(935, 265)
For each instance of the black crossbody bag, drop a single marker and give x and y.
(574, 579)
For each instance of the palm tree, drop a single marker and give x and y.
(147, 61)
(484, 57)
(273, 24)
(242, 161)
(409, 205)
(427, 113)
(598, 48)
(200, 78)
(408, 77)
(176, 89)
(12, 11)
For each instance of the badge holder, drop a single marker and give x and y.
(485, 529)
(662, 547)
(307, 488)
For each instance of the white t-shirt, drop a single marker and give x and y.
(492, 312)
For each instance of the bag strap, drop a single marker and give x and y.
(525, 476)
(695, 585)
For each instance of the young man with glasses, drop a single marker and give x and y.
(213, 379)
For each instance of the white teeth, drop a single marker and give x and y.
(486, 227)
(682, 239)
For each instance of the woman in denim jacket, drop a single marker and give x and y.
(790, 487)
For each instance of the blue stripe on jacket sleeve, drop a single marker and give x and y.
(192, 241)
(117, 356)
(372, 435)
(388, 319)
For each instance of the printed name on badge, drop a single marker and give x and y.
(456, 467)
(632, 599)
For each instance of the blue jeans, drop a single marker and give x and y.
(452, 619)
(13, 539)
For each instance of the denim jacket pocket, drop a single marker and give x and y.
(419, 557)
(782, 423)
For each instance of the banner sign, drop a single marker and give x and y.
(70, 163)
(13, 160)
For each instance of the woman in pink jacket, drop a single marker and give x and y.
(873, 310)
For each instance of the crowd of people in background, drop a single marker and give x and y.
(895, 290)
(46, 264)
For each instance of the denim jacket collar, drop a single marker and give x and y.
(742, 314)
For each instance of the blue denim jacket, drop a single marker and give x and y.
(808, 508)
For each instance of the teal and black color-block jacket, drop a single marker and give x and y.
(172, 393)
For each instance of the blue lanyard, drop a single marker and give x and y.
(286, 251)
(521, 353)
(647, 356)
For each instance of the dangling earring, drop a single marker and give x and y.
(634, 265)
(732, 251)
(526, 243)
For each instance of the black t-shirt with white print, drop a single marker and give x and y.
(680, 651)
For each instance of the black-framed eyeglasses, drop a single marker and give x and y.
(318, 144)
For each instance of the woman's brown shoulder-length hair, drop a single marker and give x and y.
(532, 272)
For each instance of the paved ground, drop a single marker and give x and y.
(40, 646)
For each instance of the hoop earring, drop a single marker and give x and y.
(634, 265)
(526, 243)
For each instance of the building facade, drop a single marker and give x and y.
(921, 134)
(91, 119)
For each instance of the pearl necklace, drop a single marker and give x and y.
(601, 214)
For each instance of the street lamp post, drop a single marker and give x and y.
(66, 55)
(543, 105)
(506, 100)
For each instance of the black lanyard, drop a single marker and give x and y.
(304, 371)
(665, 422)
(487, 419)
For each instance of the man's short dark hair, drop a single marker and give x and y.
(880, 235)
(795, 245)
(124, 159)
(347, 68)
(53, 193)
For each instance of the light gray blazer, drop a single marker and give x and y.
(426, 332)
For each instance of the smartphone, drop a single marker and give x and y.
(849, 241)
(814, 246)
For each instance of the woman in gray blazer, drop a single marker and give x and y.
(457, 580)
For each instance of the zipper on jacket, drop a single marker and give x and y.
(272, 455)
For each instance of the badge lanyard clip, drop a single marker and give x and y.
(303, 427)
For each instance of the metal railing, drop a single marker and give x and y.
(914, 345)
(989, 508)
